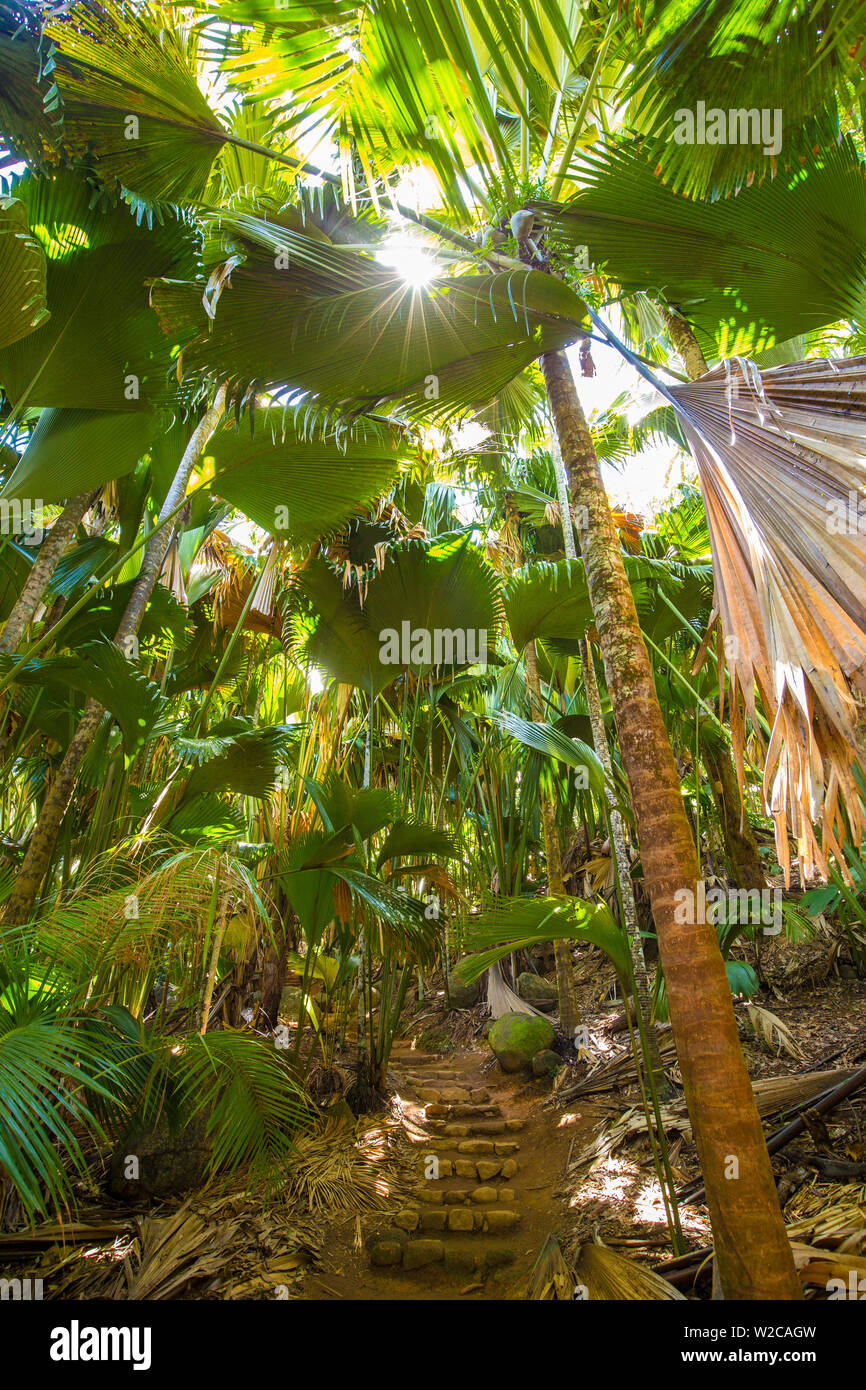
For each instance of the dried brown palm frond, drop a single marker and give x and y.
(171, 575)
(841, 1271)
(772, 1093)
(215, 1245)
(334, 1170)
(833, 1216)
(606, 1275)
(774, 1032)
(781, 457)
(501, 998)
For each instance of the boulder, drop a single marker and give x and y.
(386, 1252)
(423, 1252)
(460, 995)
(545, 1063)
(160, 1160)
(537, 991)
(543, 957)
(515, 1039)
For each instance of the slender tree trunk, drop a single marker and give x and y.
(569, 1012)
(274, 973)
(43, 841)
(617, 832)
(685, 343)
(53, 547)
(752, 1248)
(740, 844)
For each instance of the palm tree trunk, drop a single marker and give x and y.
(685, 343)
(752, 1248)
(53, 546)
(617, 833)
(569, 1012)
(741, 846)
(43, 841)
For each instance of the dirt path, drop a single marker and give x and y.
(488, 1162)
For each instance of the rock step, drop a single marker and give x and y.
(434, 1111)
(474, 1203)
(446, 1146)
(418, 1059)
(456, 1255)
(454, 1095)
(477, 1127)
(475, 1170)
(439, 1084)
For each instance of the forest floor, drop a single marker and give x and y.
(477, 1263)
(585, 1167)
(520, 1160)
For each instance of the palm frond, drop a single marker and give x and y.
(783, 474)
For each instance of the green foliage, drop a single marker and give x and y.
(521, 922)
(778, 259)
(100, 348)
(22, 274)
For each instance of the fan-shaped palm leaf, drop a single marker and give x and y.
(783, 473)
(22, 274)
(779, 259)
(120, 84)
(521, 922)
(101, 348)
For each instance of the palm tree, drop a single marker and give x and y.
(311, 320)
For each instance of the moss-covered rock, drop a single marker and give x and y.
(515, 1039)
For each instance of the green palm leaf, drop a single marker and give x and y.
(403, 80)
(101, 348)
(101, 671)
(773, 55)
(123, 93)
(22, 274)
(303, 486)
(544, 738)
(522, 922)
(336, 323)
(249, 764)
(408, 838)
(72, 451)
(446, 587)
(253, 1103)
(547, 600)
(781, 258)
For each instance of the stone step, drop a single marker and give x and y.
(434, 1111)
(435, 1081)
(417, 1059)
(478, 1128)
(483, 1170)
(460, 1216)
(453, 1254)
